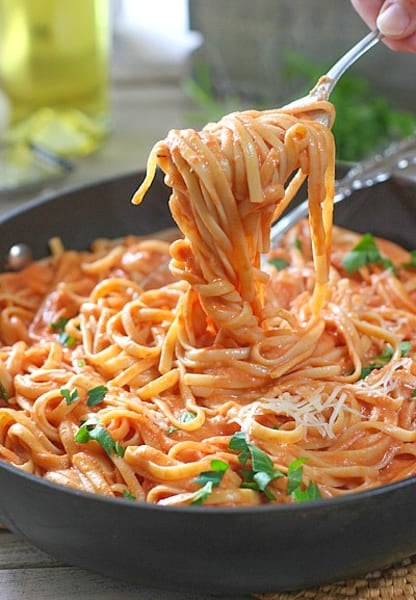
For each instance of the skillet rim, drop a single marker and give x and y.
(55, 194)
(311, 505)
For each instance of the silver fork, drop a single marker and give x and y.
(326, 83)
(322, 91)
(377, 168)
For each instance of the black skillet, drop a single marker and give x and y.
(221, 550)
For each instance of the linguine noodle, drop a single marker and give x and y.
(182, 372)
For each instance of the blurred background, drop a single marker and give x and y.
(87, 87)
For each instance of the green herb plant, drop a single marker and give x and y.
(365, 119)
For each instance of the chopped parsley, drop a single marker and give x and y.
(262, 471)
(59, 328)
(365, 253)
(66, 340)
(3, 393)
(185, 417)
(209, 480)
(96, 395)
(295, 488)
(295, 475)
(218, 469)
(311, 492)
(70, 396)
(202, 494)
(278, 263)
(365, 371)
(128, 495)
(405, 348)
(379, 361)
(412, 262)
(59, 325)
(298, 244)
(93, 429)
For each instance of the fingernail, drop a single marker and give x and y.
(393, 21)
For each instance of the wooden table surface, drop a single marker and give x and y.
(29, 574)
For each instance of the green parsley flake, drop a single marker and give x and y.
(385, 357)
(365, 371)
(412, 262)
(59, 325)
(128, 495)
(308, 494)
(66, 340)
(298, 244)
(218, 469)
(209, 480)
(295, 475)
(92, 429)
(201, 495)
(59, 328)
(278, 263)
(3, 394)
(262, 470)
(70, 396)
(405, 348)
(96, 395)
(295, 488)
(365, 253)
(185, 417)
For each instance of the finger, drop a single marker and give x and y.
(397, 22)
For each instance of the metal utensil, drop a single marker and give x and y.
(18, 257)
(326, 83)
(377, 168)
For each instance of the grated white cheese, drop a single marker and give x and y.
(307, 412)
(387, 382)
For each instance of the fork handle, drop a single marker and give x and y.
(349, 58)
(375, 169)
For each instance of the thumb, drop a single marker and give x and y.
(397, 19)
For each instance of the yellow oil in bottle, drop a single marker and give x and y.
(54, 71)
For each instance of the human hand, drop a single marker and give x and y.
(395, 19)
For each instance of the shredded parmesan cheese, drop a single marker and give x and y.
(307, 412)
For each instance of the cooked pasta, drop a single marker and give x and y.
(183, 371)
